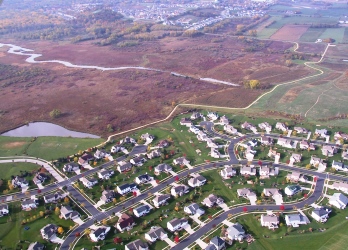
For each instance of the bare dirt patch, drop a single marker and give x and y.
(292, 94)
(15, 144)
(290, 32)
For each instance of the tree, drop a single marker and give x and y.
(288, 63)
(60, 230)
(76, 159)
(41, 213)
(57, 211)
(87, 231)
(114, 200)
(258, 202)
(176, 239)
(308, 166)
(66, 200)
(110, 128)
(55, 113)
(252, 84)
(117, 240)
(104, 222)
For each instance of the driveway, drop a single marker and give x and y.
(189, 229)
(169, 242)
(201, 243)
(78, 221)
(224, 206)
(57, 240)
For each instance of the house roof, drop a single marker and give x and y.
(100, 230)
(270, 218)
(339, 197)
(28, 202)
(4, 206)
(66, 210)
(126, 186)
(57, 195)
(236, 229)
(180, 188)
(321, 211)
(156, 232)
(142, 208)
(161, 198)
(217, 241)
(125, 220)
(144, 177)
(36, 246)
(163, 167)
(108, 194)
(50, 230)
(137, 245)
(126, 166)
(174, 222)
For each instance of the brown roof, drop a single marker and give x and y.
(125, 220)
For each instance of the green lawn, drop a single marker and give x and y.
(16, 168)
(335, 33)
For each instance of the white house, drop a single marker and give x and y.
(141, 210)
(117, 148)
(338, 200)
(162, 168)
(181, 161)
(126, 188)
(196, 180)
(212, 116)
(247, 194)
(321, 132)
(177, 224)
(36, 246)
(20, 182)
(144, 178)
(194, 209)
(281, 126)
(186, 122)
(54, 196)
(160, 200)
(215, 153)
(138, 161)
(71, 167)
(100, 154)
(266, 172)
(107, 196)
(230, 129)
(269, 220)
(292, 190)
(301, 130)
(340, 186)
(124, 167)
(339, 166)
(216, 243)
(154, 154)
(266, 140)
(137, 245)
(265, 126)
(211, 200)
(99, 233)
(345, 154)
(156, 233)
(305, 145)
(295, 220)
(194, 130)
(328, 150)
(49, 231)
(3, 210)
(147, 138)
(88, 183)
(340, 135)
(39, 178)
(66, 212)
(195, 115)
(296, 177)
(236, 232)
(321, 214)
(295, 157)
(105, 174)
(179, 190)
(286, 143)
(248, 170)
(29, 204)
(249, 126)
(317, 162)
(224, 120)
(228, 172)
(128, 140)
(274, 193)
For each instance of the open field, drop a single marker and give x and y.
(12, 169)
(290, 32)
(312, 34)
(335, 33)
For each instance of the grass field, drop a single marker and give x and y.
(335, 33)
(312, 34)
(16, 168)
(345, 38)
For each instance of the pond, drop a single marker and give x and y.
(36, 129)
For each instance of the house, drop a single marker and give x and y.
(321, 214)
(301, 130)
(338, 200)
(138, 150)
(265, 126)
(126, 188)
(266, 140)
(211, 200)
(195, 115)
(266, 172)
(211, 143)
(54, 196)
(295, 220)
(339, 166)
(162, 168)
(281, 126)
(124, 167)
(147, 138)
(216, 243)
(194, 209)
(108, 195)
(230, 129)
(29, 204)
(286, 143)
(246, 170)
(117, 148)
(273, 192)
(85, 159)
(4, 210)
(144, 178)
(341, 186)
(195, 130)
(252, 143)
(201, 136)
(39, 178)
(272, 153)
(49, 231)
(154, 154)
(163, 144)
(228, 172)
(328, 150)
(36, 246)
(249, 126)
(236, 232)
(321, 132)
(88, 182)
(212, 116)
(100, 154)
(141, 210)
(296, 157)
(156, 233)
(136, 245)
(292, 190)
(215, 153)
(125, 222)
(99, 234)
(19, 182)
(138, 161)
(160, 200)
(105, 174)
(196, 180)
(224, 120)
(269, 220)
(345, 154)
(246, 193)
(317, 162)
(340, 135)
(66, 212)
(305, 145)
(71, 167)
(181, 161)
(128, 140)
(179, 190)
(296, 177)
(186, 122)
(177, 224)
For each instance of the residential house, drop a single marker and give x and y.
(249, 126)
(85, 159)
(215, 153)
(49, 231)
(266, 140)
(128, 140)
(340, 135)
(144, 178)
(36, 246)
(328, 150)
(339, 166)
(138, 150)
(296, 177)
(340, 186)
(266, 172)
(286, 143)
(321, 214)
(281, 126)
(272, 153)
(137, 245)
(99, 234)
(248, 170)
(88, 182)
(186, 122)
(236, 232)
(211, 200)
(147, 138)
(321, 132)
(100, 154)
(71, 167)
(274, 193)
(194, 130)
(117, 148)
(246, 193)
(211, 143)
(295, 220)
(345, 154)
(301, 130)
(269, 220)
(163, 144)
(252, 143)
(292, 190)
(4, 210)
(195, 115)
(181, 161)
(216, 243)
(125, 222)
(305, 145)
(317, 162)
(212, 116)
(179, 190)
(230, 129)
(54, 197)
(224, 120)
(66, 212)
(228, 172)
(162, 168)
(156, 233)
(105, 174)
(125, 167)
(338, 200)
(154, 154)
(126, 188)
(160, 200)
(138, 161)
(29, 204)
(39, 178)
(20, 182)
(201, 136)
(296, 157)
(196, 180)
(108, 196)
(194, 209)
(177, 224)
(141, 210)
(265, 126)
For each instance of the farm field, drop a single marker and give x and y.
(312, 34)
(335, 33)
(290, 32)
